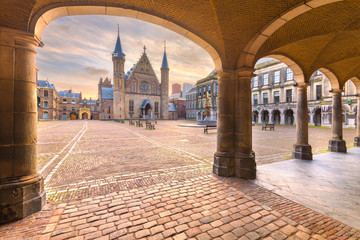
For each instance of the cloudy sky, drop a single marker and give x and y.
(78, 49)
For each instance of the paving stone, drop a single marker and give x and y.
(215, 232)
(193, 232)
(203, 236)
(171, 203)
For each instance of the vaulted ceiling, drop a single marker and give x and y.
(312, 33)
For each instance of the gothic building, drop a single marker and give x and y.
(136, 93)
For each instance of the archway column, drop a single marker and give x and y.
(21, 187)
(271, 116)
(234, 155)
(337, 144)
(282, 117)
(357, 138)
(302, 149)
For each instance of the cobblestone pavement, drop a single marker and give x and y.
(86, 158)
(107, 180)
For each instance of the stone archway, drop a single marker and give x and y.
(289, 117)
(276, 117)
(227, 42)
(317, 117)
(84, 113)
(148, 111)
(265, 116)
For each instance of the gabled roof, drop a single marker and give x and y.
(192, 90)
(211, 73)
(145, 102)
(65, 93)
(107, 93)
(128, 73)
(172, 107)
(90, 101)
(45, 84)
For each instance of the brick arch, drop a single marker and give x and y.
(296, 68)
(49, 13)
(356, 82)
(333, 79)
(314, 109)
(248, 56)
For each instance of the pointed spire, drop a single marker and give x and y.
(164, 62)
(144, 49)
(118, 50)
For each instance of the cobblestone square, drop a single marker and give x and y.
(108, 180)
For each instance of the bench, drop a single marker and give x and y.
(150, 125)
(139, 124)
(268, 126)
(131, 122)
(209, 127)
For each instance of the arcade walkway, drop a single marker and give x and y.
(330, 184)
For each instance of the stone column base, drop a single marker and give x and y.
(357, 142)
(337, 145)
(224, 165)
(302, 151)
(21, 198)
(245, 166)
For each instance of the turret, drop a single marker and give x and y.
(164, 99)
(118, 58)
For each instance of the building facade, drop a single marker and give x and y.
(48, 101)
(274, 95)
(191, 100)
(175, 88)
(137, 93)
(186, 87)
(207, 92)
(64, 105)
(180, 105)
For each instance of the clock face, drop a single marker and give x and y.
(144, 87)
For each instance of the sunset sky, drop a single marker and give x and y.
(78, 49)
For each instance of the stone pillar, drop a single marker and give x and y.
(337, 144)
(21, 187)
(357, 138)
(271, 115)
(234, 155)
(302, 149)
(282, 117)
